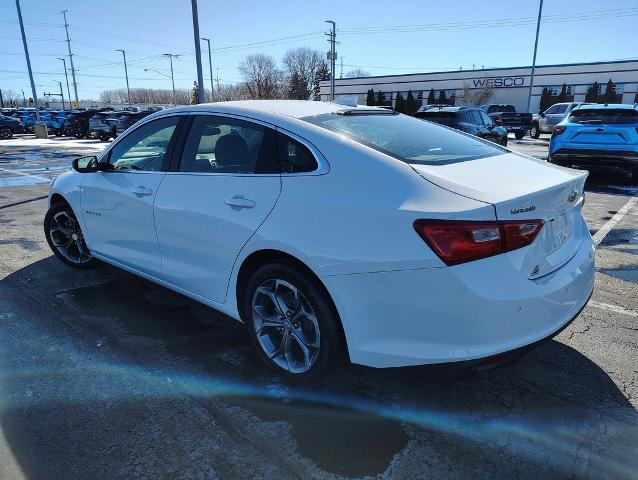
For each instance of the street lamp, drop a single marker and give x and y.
(128, 90)
(61, 94)
(164, 75)
(170, 57)
(66, 74)
(210, 66)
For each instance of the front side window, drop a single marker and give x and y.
(145, 147)
(227, 145)
(487, 120)
(406, 138)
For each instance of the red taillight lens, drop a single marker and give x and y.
(463, 241)
(558, 130)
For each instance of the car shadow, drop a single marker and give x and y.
(106, 375)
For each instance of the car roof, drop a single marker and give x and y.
(615, 106)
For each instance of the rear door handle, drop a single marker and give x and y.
(142, 191)
(239, 201)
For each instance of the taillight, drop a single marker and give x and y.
(464, 241)
(558, 130)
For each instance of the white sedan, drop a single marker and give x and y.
(336, 232)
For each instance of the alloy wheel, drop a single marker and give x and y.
(5, 133)
(286, 325)
(67, 238)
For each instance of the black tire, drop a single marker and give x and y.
(331, 345)
(6, 133)
(634, 176)
(504, 141)
(519, 135)
(50, 220)
(535, 132)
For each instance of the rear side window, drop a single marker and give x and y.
(406, 138)
(607, 116)
(294, 156)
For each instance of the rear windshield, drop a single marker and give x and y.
(501, 108)
(604, 115)
(406, 138)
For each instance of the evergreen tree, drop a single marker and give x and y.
(297, 89)
(610, 96)
(431, 99)
(380, 98)
(442, 97)
(562, 96)
(370, 98)
(323, 73)
(592, 93)
(546, 100)
(195, 94)
(410, 103)
(399, 105)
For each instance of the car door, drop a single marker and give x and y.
(224, 186)
(117, 204)
(489, 133)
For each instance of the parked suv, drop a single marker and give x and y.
(99, 126)
(129, 119)
(470, 120)
(545, 121)
(598, 136)
(113, 118)
(9, 126)
(77, 123)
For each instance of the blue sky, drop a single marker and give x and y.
(404, 36)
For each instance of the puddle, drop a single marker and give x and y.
(629, 275)
(341, 441)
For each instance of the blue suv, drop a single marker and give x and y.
(597, 136)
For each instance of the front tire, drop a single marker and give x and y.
(292, 323)
(6, 133)
(504, 141)
(65, 237)
(535, 132)
(519, 135)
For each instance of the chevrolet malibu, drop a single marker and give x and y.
(336, 232)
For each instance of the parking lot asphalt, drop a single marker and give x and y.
(105, 375)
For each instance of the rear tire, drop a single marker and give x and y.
(65, 237)
(534, 132)
(519, 135)
(6, 133)
(504, 141)
(292, 323)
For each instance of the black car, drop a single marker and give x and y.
(470, 120)
(9, 126)
(99, 126)
(112, 119)
(76, 123)
(129, 119)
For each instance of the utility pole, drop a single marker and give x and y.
(332, 56)
(128, 90)
(198, 53)
(66, 75)
(24, 99)
(217, 80)
(61, 93)
(341, 71)
(170, 56)
(531, 79)
(68, 41)
(26, 54)
(210, 66)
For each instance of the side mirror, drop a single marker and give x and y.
(85, 164)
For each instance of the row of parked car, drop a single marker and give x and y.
(101, 123)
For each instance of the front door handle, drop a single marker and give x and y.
(239, 201)
(142, 191)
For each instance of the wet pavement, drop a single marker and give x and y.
(106, 375)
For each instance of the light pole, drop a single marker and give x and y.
(68, 41)
(198, 53)
(333, 57)
(210, 66)
(26, 54)
(61, 94)
(128, 90)
(170, 56)
(24, 99)
(66, 75)
(531, 79)
(164, 75)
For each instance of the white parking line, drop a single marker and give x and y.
(612, 308)
(606, 228)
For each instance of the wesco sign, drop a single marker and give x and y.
(499, 82)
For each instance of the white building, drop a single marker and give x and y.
(508, 85)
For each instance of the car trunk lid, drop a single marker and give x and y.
(522, 188)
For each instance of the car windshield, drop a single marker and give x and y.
(406, 138)
(604, 116)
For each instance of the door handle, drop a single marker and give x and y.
(239, 201)
(141, 190)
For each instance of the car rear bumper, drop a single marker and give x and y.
(591, 157)
(465, 313)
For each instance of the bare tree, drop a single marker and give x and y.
(12, 98)
(357, 72)
(477, 96)
(301, 65)
(262, 77)
(225, 93)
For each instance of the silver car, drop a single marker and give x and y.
(545, 121)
